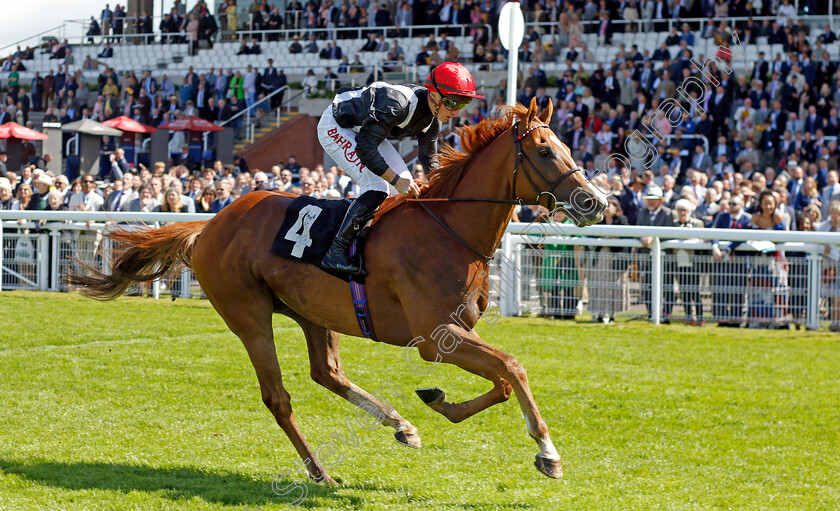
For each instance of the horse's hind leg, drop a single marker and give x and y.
(250, 320)
(325, 368)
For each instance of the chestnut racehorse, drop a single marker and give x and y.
(425, 261)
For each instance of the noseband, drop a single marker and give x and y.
(521, 155)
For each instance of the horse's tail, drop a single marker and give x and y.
(143, 255)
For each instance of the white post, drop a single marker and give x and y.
(41, 261)
(506, 276)
(656, 282)
(55, 236)
(812, 302)
(513, 65)
(185, 284)
(516, 283)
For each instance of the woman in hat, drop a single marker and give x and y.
(354, 130)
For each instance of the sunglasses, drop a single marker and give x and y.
(454, 105)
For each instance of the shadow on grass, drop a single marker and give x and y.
(175, 483)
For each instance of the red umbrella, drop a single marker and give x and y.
(15, 130)
(128, 124)
(191, 123)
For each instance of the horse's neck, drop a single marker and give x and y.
(488, 176)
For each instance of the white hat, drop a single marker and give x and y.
(654, 192)
(44, 180)
(5, 183)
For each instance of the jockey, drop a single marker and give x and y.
(354, 132)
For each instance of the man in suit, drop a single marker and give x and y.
(269, 82)
(662, 53)
(730, 273)
(223, 197)
(631, 200)
(813, 121)
(295, 47)
(654, 214)
(119, 165)
(89, 199)
(211, 111)
(107, 52)
(701, 161)
(311, 45)
(370, 44)
(605, 29)
(645, 77)
(720, 107)
(149, 84)
(760, 69)
(830, 192)
(185, 159)
(827, 37)
(115, 200)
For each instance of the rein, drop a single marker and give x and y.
(520, 155)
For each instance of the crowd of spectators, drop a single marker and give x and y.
(757, 150)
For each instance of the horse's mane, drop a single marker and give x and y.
(452, 162)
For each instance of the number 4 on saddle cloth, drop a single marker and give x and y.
(306, 235)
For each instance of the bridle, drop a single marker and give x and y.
(520, 156)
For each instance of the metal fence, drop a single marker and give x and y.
(771, 280)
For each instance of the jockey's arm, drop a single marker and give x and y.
(370, 136)
(427, 148)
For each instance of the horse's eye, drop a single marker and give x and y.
(545, 152)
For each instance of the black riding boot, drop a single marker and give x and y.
(337, 257)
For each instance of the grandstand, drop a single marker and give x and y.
(770, 128)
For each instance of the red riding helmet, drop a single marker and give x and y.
(451, 78)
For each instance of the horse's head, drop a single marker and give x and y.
(545, 171)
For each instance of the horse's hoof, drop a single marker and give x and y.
(549, 467)
(411, 439)
(329, 481)
(429, 396)
(324, 479)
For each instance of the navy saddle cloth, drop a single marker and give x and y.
(309, 228)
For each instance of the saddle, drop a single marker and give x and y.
(306, 235)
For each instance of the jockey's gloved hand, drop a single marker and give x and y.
(406, 186)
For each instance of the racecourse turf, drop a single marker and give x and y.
(153, 405)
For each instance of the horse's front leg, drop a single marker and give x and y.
(454, 345)
(457, 412)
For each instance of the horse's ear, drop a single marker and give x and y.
(532, 110)
(546, 114)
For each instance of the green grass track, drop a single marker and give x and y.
(153, 405)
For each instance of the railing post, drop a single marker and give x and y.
(516, 283)
(812, 302)
(656, 282)
(506, 276)
(186, 280)
(42, 261)
(54, 254)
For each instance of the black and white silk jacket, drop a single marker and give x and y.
(384, 111)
